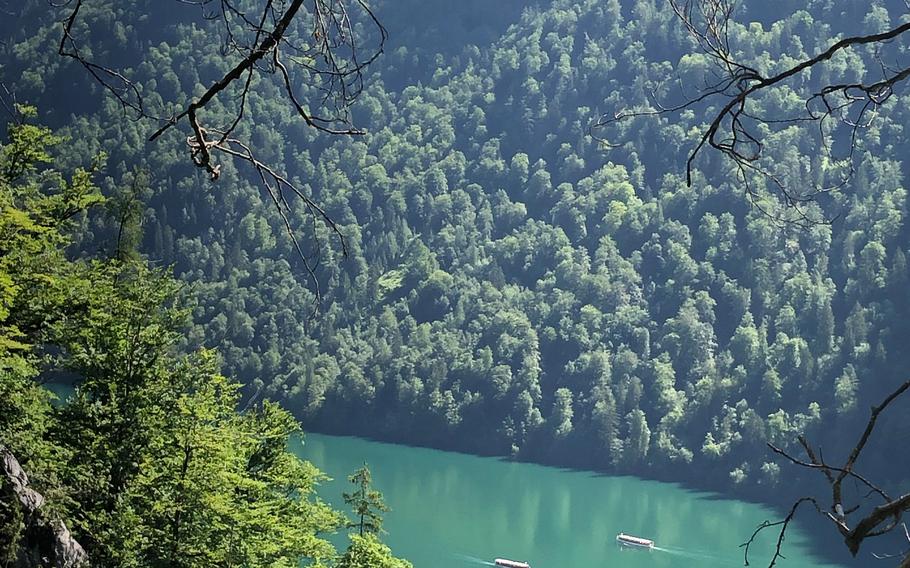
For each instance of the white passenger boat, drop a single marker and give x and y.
(510, 563)
(630, 540)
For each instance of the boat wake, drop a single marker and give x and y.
(475, 560)
(692, 554)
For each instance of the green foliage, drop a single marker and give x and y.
(12, 524)
(37, 209)
(168, 472)
(366, 551)
(26, 148)
(389, 282)
(149, 462)
(126, 210)
(511, 287)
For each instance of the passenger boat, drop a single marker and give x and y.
(630, 540)
(510, 563)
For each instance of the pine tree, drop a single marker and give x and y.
(366, 502)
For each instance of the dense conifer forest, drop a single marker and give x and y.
(511, 286)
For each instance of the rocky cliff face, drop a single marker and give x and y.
(41, 540)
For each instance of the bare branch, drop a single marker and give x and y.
(880, 520)
(277, 187)
(827, 469)
(269, 43)
(319, 40)
(870, 426)
(124, 90)
(8, 101)
(783, 524)
(734, 129)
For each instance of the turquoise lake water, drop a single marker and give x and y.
(455, 511)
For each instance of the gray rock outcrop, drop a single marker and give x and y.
(45, 542)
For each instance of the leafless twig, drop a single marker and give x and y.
(879, 520)
(783, 524)
(736, 129)
(8, 101)
(304, 42)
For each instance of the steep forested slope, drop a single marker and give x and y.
(149, 462)
(511, 287)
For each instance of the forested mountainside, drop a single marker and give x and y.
(512, 286)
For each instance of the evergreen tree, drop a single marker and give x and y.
(366, 502)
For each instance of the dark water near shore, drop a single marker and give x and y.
(452, 511)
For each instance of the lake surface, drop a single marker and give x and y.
(454, 511)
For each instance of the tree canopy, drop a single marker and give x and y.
(510, 286)
(150, 461)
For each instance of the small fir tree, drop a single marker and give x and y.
(366, 502)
